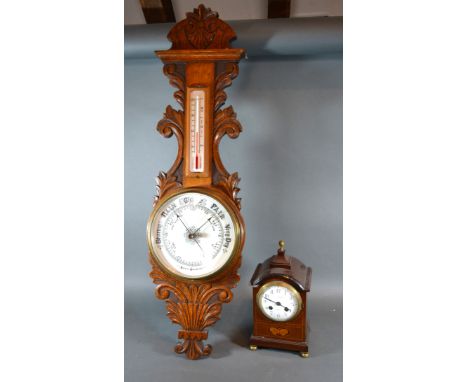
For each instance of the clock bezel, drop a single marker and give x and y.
(286, 285)
(236, 220)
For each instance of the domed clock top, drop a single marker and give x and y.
(283, 266)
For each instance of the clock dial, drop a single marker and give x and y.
(279, 301)
(192, 234)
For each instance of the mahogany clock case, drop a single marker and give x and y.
(285, 271)
(289, 157)
(291, 335)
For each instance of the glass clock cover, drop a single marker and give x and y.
(279, 301)
(192, 235)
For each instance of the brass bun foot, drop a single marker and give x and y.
(304, 354)
(253, 347)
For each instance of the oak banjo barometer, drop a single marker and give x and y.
(195, 232)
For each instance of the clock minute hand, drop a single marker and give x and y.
(277, 303)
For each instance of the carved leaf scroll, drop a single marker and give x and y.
(193, 306)
(229, 185)
(165, 183)
(177, 80)
(224, 80)
(193, 345)
(225, 123)
(171, 124)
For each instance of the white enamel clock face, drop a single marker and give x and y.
(279, 301)
(193, 235)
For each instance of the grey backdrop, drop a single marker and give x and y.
(289, 157)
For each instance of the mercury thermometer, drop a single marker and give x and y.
(197, 130)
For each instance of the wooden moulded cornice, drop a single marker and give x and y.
(194, 55)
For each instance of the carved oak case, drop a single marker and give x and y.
(195, 265)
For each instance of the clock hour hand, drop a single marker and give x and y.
(286, 309)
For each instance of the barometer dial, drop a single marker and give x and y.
(279, 301)
(192, 234)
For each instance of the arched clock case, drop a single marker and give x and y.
(280, 286)
(195, 232)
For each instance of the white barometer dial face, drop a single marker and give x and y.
(279, 301)
(192, 234)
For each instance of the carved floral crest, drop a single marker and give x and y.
(202, 29)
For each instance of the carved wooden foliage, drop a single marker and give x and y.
(224, 80)
(229, 186)
(177, 80)
(202, 29)
(171, 124)
(165, 183)
(194, 306)
(225, 123)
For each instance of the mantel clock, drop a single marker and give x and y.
(195, 232)
(280, 286)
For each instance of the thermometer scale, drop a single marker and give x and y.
(197, 130)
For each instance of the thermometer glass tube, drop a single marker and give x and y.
(197, 130)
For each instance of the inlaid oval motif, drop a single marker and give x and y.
(279, 332)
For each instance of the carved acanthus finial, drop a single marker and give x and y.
(201, 13)
(201, 29)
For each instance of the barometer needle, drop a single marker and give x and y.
(191, 235)
(178, 217)
(199, 228)
(199, 246)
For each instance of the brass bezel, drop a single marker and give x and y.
(286, 285)
(238, 232)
